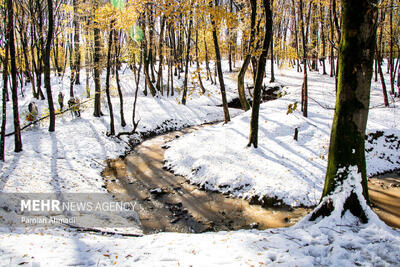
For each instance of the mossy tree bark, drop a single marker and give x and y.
(253, 139)
(356, 54)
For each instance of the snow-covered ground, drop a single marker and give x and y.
(71, 159)
(282, 168)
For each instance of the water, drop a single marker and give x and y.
(180, 206)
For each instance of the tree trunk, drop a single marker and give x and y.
(384, 91)
(110, 108)
(322, 18)
(47, 81)
(97, 68)
(185, 81)
(209, 75)
(14, 92)
(272, 61)
(72, 69)
(272, 51)
(304, 91)
(332, 55)
(398, 74)
(56, 55)
(314, 37)
(219, 68)
(159, 83)
(4, 100)
(117, 67)
(378, 61)
(146, 59)
(34, 70)
(391, 70)
(40, 49)
(203, 90)
(87, 61)
(172, 74)
(77, 64)
(242, 96)
(296, 35)
(347, 148)
(253, 138)
(150, 49)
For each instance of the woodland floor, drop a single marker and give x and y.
(72, 159)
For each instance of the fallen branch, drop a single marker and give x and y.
(331, 229)
(95, 230)
(135, 125)
(99, 163)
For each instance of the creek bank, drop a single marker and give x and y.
(169, 203)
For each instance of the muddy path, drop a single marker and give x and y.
(168, 203)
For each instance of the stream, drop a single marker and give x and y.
(166, 202)
(169, 203)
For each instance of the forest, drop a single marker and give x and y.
(238, 132)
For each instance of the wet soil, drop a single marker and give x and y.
(168, 203)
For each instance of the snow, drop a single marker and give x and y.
(332, 241)
(78, 147)
(281, 168)
(72, 158)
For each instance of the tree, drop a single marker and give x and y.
(4, 100)
(97, 67)
(219, 68)
(46, 60)
(148, 52)
(14, 92)
(379, 60)
(242, 96)
(110, 108)
(77, 64)
(347, 148)
(272, 51)
(253, 138)
(304, 90)
(185, 81)
(117, 67)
